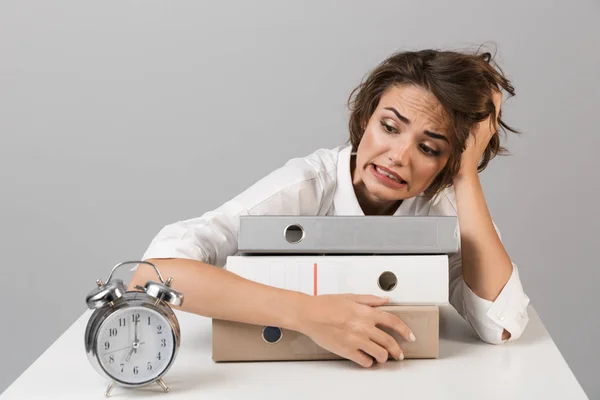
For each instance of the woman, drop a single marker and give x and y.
(423, 125)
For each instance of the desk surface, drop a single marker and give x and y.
(528, 368)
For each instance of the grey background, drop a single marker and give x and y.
(118, 117)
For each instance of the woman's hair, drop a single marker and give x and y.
(462, 82)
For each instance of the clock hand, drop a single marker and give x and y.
(133, 349)
(129, 354)
(121, 349)
(135, 339)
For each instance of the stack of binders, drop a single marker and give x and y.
(403, 258)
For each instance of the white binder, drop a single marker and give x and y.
(343, 235)
(405, 279)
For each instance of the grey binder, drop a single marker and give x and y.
(268, 234)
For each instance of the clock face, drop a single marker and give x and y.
(135, 345)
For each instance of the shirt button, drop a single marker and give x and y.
(501, 317)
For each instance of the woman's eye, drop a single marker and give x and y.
(388, 128)
(428, 150)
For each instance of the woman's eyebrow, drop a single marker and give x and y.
(437, 136)
(400, 117)
(407, 122)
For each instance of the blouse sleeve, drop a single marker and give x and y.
(296, 188)
(489, 319)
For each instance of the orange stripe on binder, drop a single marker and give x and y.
(315, 279)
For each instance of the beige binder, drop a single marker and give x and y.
(235, 341)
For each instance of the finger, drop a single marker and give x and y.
(375, 351)
(368, 300)
(386, 341)
(361, 358)
(395, 323)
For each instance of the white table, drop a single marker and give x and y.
(529, 368)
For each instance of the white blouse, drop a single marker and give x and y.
(320, 184)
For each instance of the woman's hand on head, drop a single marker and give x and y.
(347, 325)
(479, 139)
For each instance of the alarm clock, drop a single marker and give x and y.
(132, 337)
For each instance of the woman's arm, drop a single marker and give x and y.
(211, 291)
(486, 266)
(342, 324)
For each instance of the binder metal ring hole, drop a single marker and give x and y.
(272, 334)
(387, 281)
(294, 233)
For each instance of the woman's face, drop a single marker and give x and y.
(406, 137)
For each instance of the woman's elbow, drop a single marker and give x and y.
(492, 336)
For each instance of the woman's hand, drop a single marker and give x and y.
(479, 139)
(347, 325)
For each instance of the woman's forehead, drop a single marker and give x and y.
(416, 104)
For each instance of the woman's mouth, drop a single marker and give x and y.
(387, 177)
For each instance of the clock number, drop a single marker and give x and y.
(111, 359)
(122, 321)
(106, 345)
(159, 356)
(112, 332)
(148, 320)
(122, 365)
(135, 370)
(149, 366)
(163, 342)
(159, 329)
(135, 318)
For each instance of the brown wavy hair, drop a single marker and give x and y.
(461, 81)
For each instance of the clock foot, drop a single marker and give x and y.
(162, 384)
(109, 389)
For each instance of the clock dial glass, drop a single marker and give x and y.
(135, 345)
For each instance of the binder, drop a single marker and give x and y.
(271, 234)
(406, 280)
(236, 341)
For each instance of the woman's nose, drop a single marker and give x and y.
(400, 155)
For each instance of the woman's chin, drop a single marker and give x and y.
(384, 194)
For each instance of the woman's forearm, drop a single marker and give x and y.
(485, 263)
(216, 293)
(347, 325)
